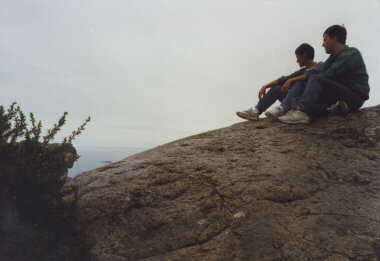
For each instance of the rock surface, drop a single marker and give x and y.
(251, 191)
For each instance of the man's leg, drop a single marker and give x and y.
(353, 100)
(319, 94)
(312, 101)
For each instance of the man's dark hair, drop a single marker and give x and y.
(337, 31)
(305, 49)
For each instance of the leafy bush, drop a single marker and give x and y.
(13, 125)
(29, 162)
(33, 171)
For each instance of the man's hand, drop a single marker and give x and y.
(262, 91)
(285, 87)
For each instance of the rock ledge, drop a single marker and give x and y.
(251, 191)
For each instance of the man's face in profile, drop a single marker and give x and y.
(328, 43)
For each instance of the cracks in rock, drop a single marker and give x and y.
(327, 174)
(289, 198)
(316, 243)
(341, 214)
(313, 244)
(352, 178)
(280, 249)
(364, 236)
(213, 184)
(164, 180)
(371, 156)
(102, 169)
(206, 240)
(189, 245)
(334, 252)
(173, 194)
(279, 245)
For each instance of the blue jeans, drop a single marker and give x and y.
(295, 91)
(275, 94)
(320, 93)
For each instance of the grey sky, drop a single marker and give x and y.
(151, 71)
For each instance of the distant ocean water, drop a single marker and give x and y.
(95, 157)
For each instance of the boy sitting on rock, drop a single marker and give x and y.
(284, 89)
(342, 81)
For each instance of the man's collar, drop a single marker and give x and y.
(341, 50)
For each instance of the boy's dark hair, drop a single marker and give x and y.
(337, 31)
(305, 49)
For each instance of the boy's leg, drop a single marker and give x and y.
(269, 98)
(295, 91)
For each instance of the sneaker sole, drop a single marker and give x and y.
(243, 116)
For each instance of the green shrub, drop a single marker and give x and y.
(30, 164)
(14, 125)
(33, 171)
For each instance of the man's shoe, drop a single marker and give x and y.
(248, 115)
(340, 107)
(295, 117)
(275, 113)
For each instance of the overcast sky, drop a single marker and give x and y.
(152, 71)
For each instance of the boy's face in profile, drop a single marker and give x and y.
(301, 60)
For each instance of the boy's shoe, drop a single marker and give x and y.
(275, 113)
(248, 115)
(340, 107)
(295, 117)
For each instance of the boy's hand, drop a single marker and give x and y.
(262, 91)
(285, 87)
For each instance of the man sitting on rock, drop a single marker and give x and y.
(284, 88)
(342, 81)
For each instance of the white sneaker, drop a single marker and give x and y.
(275, 113)
(295, 117)
(248, 115)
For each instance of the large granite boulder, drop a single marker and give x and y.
(252, 191)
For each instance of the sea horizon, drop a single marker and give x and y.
(92, 157)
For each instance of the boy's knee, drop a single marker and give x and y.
(315, 77)
(275, 89)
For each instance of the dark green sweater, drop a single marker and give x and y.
(348, 68)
